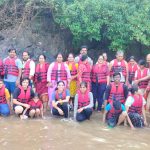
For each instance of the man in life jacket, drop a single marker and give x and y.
(83, 51)
(83, 103)
(4, 100)
(28, 69)
(21, 97)
(141, 73)
(12, 70)
(1, 69)
(84, 71)
(119, 65)
(117, 89)
(135, 107)
(115, 113)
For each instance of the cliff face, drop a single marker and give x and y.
(41, 35)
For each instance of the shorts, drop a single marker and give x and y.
(136, 119)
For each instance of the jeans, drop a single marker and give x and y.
(4, 110)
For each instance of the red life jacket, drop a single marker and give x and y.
(100, 73)
(118, 93)
(1, 67)
(118, 68)
(113, 112)
(10, 66)
(73, 71)
(83, 99)
(41, 73)
(35, 105)
(24, 97)
(62, 73)
(2, 95)
(26, 69)
(142, 84)
(86, 75)
(57, 95)
(132, 70)
(137, 105)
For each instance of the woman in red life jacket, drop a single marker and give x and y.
(36, 107)
(60, 99)
(135, 107)
(119, 65)
(57, 71)
(40, 80)
(141, 73)
(84, 71)
(100, 78)
(4, 100)
(133, 67)
(105, 58)
(21, 97)
(73, 67)
(115, 113)
(83, 103)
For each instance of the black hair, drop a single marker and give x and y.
(36, 94)
(71, 54)
(84, 46)
(59, 53)
(23, 79)
(133, 89)
(42, 55)
(83, 83)
(11, 49)
(116, 74)
(26, 52)
(132, 57)
(58, 83)
(142, 62)
(84, 57)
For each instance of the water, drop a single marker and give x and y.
(56, 134)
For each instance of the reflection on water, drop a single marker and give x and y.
(57, 134)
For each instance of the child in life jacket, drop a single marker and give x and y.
(36, 107)
(135, 107)
(115, 113)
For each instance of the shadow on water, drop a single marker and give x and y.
(53, 133)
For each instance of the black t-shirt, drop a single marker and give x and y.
(18, 91)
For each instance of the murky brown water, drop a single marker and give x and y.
(54, 134)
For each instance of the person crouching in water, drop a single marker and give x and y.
(135, 107)
(21, 97)
(36, 107)
(115, 113)
(60, 99)
(83, 103)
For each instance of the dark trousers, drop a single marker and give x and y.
(98, 90)
(85, 114)
(63, 107)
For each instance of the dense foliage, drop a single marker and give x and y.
(118, 21)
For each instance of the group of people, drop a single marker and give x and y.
(30, 88)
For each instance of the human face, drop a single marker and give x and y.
(117, 79)
(83, 89)
(1, 84)
(41, 59)
(132, 61)
(100, 60)
(61, 86)
(25, 84)
(12, 54)
(70, 58)
(119, 57)
(36, 99)
(59, 58)
(25, 56)
(83, 51)
(141, 67)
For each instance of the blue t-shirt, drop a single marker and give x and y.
(60, 95)
(108, 107)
